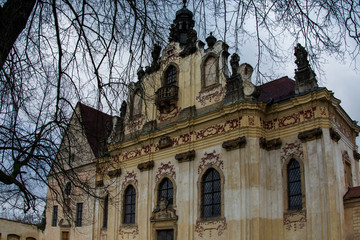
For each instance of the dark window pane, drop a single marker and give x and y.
(170, 76)
(166, 191)
(211, 194)
(294, 185)
(54, 216)
(129, 206)
(79, 210)
(105, 216)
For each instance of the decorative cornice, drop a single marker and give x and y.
(270, 144)
(185, 156)
(334, 135)
(164, 142)
(356, 155)
(310, 135)
(146, 166)
(114, 173)
(234, 143)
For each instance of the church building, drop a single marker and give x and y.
(200, 152)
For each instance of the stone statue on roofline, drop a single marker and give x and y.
(305, 78)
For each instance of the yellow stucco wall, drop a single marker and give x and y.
(22, 230)
(254, 200)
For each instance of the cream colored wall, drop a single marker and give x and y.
(254, 189)
(23, 230)
(85, 170)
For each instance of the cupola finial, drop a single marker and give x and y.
(184, 2)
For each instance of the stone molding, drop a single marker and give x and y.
(270, 144)
(239, 142)
(310, 135)
(146, 166)
(185, 156)
(334, 135)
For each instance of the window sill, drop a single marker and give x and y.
(212, 219)
(208, 88)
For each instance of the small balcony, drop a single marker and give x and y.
(166, 98)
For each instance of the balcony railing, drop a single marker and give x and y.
(166, 98)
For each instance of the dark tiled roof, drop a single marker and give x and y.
(277, 90)
(353, 192)
(96, 125)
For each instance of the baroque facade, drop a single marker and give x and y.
(200, 152)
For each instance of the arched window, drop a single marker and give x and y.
(210, 72)
(294, 185)
(129, 205)
(166, 190)
(170, 76)
(137, 103)
(211, 194)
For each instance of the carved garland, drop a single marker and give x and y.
(208, 226)
(130, 177)
(210, 95)
(210, 159)
(165, 169)
(291, 149)
(129, 231)
(167, 116)
(294, 221)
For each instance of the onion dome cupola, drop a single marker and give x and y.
(182, 29)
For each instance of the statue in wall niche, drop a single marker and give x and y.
(234, 63)
(163, 204)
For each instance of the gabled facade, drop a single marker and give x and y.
(70, 198)
(200, 152)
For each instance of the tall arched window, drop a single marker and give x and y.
(210, 71)
(129, 205)
(294, 185)
(166, 190)
(170, 76)
(211, 194)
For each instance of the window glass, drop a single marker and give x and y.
(129, 205)
(79, 213)
(166, 191)
(170, 76)
(54, 216)
(211, 194)
(294, 185)
(68, 188)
